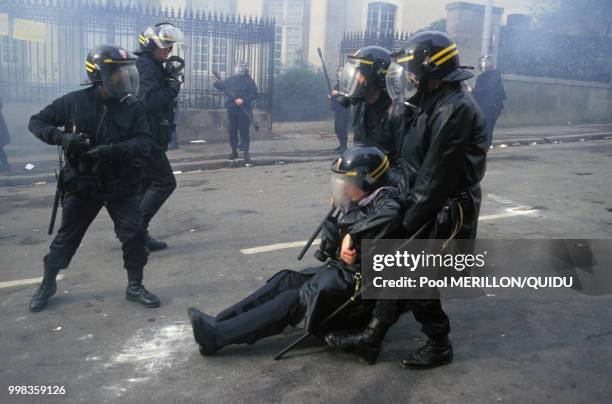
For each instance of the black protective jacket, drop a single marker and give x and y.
(443, 157)
(158, 98)
(369, 124)
(122, 123)
(240, 86)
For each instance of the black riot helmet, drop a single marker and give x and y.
(363, 167)
(161, 35)
(428, 55)
(114, 69)
(366, 68)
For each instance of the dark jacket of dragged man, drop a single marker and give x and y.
(371, 210)
(104, 132)
(161, 76)
(442, 157)
(240, 94)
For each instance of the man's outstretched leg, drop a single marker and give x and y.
(262, 321)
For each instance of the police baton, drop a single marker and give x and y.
(231, 95)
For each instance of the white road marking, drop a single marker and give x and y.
(277, 246)
(22, 282)
(518, 210)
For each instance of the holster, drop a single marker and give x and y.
(164, 132)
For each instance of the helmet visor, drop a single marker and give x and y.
(340, 188)
(401, 84)
(121, 81)
(168, 36)
(353, 81)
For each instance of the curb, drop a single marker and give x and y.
(216, 162)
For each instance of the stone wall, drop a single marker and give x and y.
(539, 100)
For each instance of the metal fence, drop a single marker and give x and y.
(353, 41)
(543, 54)
(43, 44)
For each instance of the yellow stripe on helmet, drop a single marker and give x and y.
(90, 65)
(364, 61)
(443, 51)
(445, 58)
(380, 169)
(405, 59)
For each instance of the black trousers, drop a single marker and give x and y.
(287, 298)
(77, 214)
(428, 312)
(238, 122)
(341, 119)
(158, 185)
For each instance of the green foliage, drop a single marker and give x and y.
(300, 94)
(438, 25)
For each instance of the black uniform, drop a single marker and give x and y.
(291, 297)
(489, 93)
(90, 185)
(341, 117)
(443, 159)
(369, 125)
(159, 102)
(240, 86)
(5, 139)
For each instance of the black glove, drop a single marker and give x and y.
(174, 84)
(105, 152)
(174, 68)
(330, 239)
(75, 142)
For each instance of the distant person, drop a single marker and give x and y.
(341, 117)
(5, 139)
(490, 95)
(241, 91)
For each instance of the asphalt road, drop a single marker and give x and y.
(103, 348)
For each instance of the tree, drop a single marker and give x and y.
(591, 17)
(438, 25)
(300, 94)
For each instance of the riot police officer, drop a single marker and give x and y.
(161, 76)
(362, 84)
(240, 91)
(105, 133)
(371, 210)
(442, 159)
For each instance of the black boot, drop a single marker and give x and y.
(365, 344)
(247, 158)
(204, 331)
(436, 352)
(154, 245)
(233, 155)
(45, 291)
(136, 292)
(267, 319)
